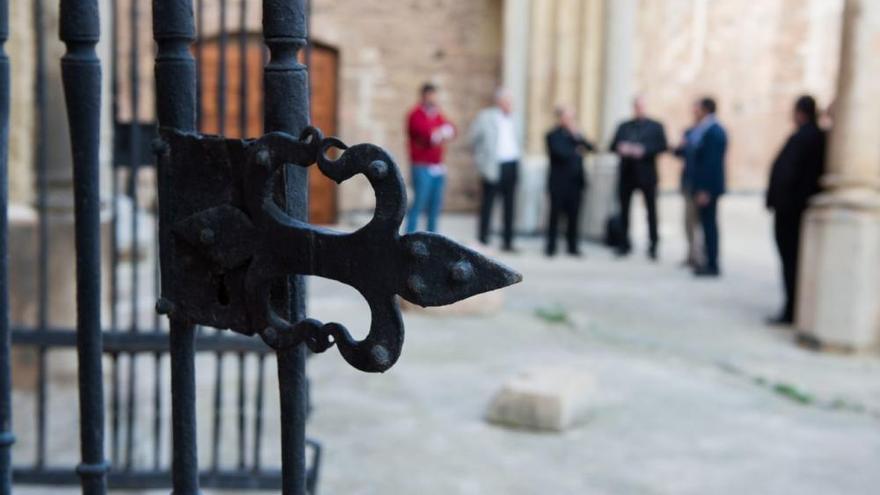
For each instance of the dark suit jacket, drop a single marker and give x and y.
(566, 162)
(708, 161)
(650, 134)
(796, 171)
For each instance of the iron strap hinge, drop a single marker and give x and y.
(225, 242)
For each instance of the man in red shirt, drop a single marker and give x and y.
(428, 132)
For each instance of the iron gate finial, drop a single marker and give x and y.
(232, 242)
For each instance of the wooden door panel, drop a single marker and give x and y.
(323, 81)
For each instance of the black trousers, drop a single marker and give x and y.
(709, 223)
(787, 229)
(626, 188)
(506, 187)
(569, 206)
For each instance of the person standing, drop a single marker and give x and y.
(428, 132)
(567, 180)
(638, 142)
(708, 150)
(496, 149)
(691, 218)
(794, 179)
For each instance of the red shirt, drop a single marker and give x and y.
(421, 124)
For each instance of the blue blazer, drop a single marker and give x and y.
(708, 162)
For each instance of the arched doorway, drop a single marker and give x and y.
(247, 120)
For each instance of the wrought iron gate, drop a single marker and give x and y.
(233, 245)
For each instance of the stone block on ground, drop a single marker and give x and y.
(544, 399)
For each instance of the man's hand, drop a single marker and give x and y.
(703, 199)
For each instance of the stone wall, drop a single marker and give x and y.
(754, 57)
(387, 50)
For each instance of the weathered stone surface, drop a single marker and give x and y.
(553, 398)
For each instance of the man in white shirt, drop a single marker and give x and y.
(497, 153)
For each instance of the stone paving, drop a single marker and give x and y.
(693, 393)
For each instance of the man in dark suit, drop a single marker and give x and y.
(638, 142)
(708, 150)
(566, 146)
(794, 178)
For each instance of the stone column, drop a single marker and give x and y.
(839, 285)
(617, 90)
(554, 54)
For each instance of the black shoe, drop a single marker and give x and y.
(707, 272)
(781, 320)
(550, 253)
(652, 253)
(622, 251)
(576, 254)
(510, 250)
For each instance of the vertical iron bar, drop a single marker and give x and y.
(134, 166)
(258, 411)
(200, 57)
(114, 240)
(81, 74)
(243, 71)
(242, 418)
(174, 32)
(221, 130)
(6, 437)
(218, 410)
(287, 110)
(43, 226)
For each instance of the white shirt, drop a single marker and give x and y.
(507, 149)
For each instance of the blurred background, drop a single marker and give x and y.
(597, 374)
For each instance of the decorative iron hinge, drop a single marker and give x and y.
(226, 242)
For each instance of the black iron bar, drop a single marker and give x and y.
(200, 57)
(218, 410)
(220, 89)
(134, 158)
(6, 436)
(287, 110)
(242, 415)
(243, 71)
(174, 32)
(81, 74)
(41, 96)
(140, 343)
(258, 412)
(114, 241)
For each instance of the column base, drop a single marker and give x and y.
(839, 273)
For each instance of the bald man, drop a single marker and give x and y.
(638, 142)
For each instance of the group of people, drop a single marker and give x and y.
(638, 143)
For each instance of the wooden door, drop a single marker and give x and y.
(323, 81)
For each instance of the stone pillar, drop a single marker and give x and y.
(554, 54)
(617, 90)
(839, 283)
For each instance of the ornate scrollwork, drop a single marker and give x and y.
(237, 242)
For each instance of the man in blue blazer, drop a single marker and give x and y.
(707, 149)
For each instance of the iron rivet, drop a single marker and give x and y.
(164, 306)
(462, 272)
(160, 146)
(270, 335)
(415, 284)
(378, 170)
(264, 159)
(418, 250)
(380, 355)
(206, 236)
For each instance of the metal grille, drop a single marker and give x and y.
(232, 250)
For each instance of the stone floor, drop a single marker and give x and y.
(694, 395)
